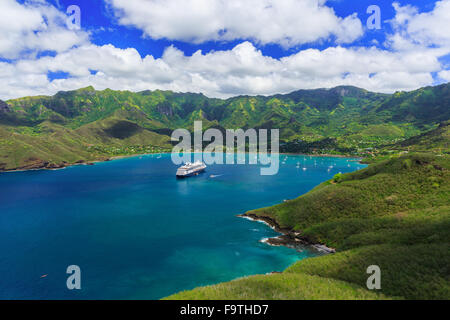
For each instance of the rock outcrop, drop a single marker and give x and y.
(4, 107)
(33, 164)
(288, 237)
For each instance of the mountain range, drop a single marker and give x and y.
(86, 125)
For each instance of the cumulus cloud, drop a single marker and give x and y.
(421, 29)
(287, 22)
(445, 75)
(408, 64)
(242, 70)
(34, 27)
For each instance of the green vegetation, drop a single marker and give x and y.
(394, 214)
(285, 286)
(86, 124)
(411, 272)
(391, 186)
(437, 140)
(49, 144)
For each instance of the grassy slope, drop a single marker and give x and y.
(391, 186)
(54, 143)
(285, 286)
(394, 214)
(437, 140)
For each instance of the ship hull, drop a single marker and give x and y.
(195, 173)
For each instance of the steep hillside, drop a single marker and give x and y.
(430, 104)
(341, 110)
(437, 140)
(50, 145)
(394, 214)
(285, 286)
(342, 120)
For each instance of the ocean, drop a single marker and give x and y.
(137, 232)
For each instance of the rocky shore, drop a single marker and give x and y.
(38, 164)
(288, 237)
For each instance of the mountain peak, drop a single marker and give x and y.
(86, 90)
(344, 91)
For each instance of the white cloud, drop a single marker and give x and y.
(33, 27)
(445, 75)
(287, 22)
(408, 64)
(421, 29)
(242, 70)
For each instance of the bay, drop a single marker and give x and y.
(137, 232)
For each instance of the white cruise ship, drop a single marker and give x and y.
(191, 169)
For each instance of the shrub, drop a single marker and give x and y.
(338, 177)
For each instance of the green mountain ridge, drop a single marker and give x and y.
(341, 120)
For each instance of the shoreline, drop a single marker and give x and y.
(288, 237)
(45, 165)
(324, 155)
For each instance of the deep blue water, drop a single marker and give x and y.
(137, 232)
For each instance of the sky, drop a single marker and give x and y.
(222, 48)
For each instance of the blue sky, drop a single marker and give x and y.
(96, 15)
(222, 48)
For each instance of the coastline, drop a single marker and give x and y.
(323, 155)
(288, 237)
(45, 165)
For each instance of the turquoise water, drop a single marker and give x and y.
(137, 232)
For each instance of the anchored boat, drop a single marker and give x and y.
(190, 169)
